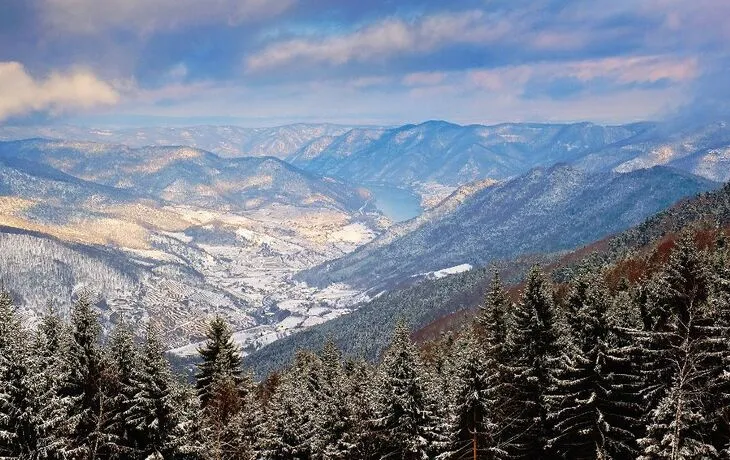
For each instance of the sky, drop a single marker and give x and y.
(270, 62)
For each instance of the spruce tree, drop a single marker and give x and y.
(532, 348)
(472, 428)
(492, 322)
(717, 398)
(595, 410)
(88, 382)
(407, 418)
(189, 432)
(678, 357)
(291, 426)
(51, 372)
(124, 356)
(671, 297)
(153, 412)
(220, 359)
(20, 423)
(334, 417)
(360, 391)
(676, 428)
(246, 425)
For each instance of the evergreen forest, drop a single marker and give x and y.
(591, 367)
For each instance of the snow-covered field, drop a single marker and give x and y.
(258, 267)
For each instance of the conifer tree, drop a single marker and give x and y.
(407, 418)
(291, 427)
(189, 432)
(334, 416)
(473, 430)
(492, 322)
(492, 319)
(678, 358)
(51, 373)
(532, 349)
(717, 397)
(675, 430)
(125, 358)
(88, 382)
(595, 410)
(220, 360)
(153, 412)
(20, 424)
(672, 297)
(360, 393)
(245, 426)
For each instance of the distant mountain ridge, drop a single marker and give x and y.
(438, 152)
(186, 175)
(445, 153)
(226, 141)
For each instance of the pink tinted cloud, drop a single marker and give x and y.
(635, 69)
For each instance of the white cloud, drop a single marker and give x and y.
(384, 39)
(21, 94)
(92, 16)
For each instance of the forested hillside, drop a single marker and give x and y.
(544, 211)
(586, 369)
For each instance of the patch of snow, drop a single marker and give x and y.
(452, 270)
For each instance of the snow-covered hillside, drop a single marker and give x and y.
(543, 211)
(228, 241)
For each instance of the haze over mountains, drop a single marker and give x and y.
(283, 228)
(225, 141)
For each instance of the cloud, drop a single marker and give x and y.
(21, 94)
(636, 69)
(487, 95)
(384, 39)
(613, 72)
(98, 16)
(423, 78)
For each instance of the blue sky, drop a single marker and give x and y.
(268, 62)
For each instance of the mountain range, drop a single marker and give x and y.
(225, 141)
(438, 152)
(260, 225)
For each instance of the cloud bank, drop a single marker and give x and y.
(390, 62)
(21, 94)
